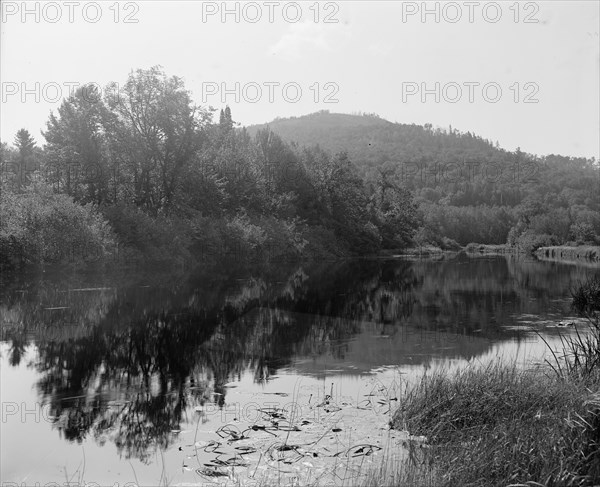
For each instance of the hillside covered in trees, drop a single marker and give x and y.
(142, 173)
(467, 188)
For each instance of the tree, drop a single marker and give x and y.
(283, 176)
(396, 209)
(9, 167)
(157, 131)
(349, 204)
(225, 121)
(25, 145)
(230, 160)
(78, 160)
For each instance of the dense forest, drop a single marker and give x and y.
(467, 188)
(141, 173)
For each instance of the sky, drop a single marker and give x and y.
(525, 74)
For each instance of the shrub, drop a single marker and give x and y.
(246, 238)
(284, 239)
(154, 239)
(530, 241)
(473, 247)
(583, 233)
(39, 226)
(323, 244)
(244, 234)
(449, 244)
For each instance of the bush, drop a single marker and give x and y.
(530, 241)
(583, 233)
(473, 247)
(449, 244)
(425, 237)
(323, 244)
(154, 239)
(244, 234)
(464, 224)
(250, 239)
(39, 226)
(284, 238)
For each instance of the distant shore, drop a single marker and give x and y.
(589, 253)
(563, 253)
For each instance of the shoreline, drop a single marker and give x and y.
(563, 253)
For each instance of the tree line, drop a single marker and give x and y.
(143, 171)
(467, 188)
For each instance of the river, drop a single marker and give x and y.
(284, 372)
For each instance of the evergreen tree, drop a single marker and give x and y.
(225, 121)
(24, 142)
(26, 146)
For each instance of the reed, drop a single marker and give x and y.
(503, 425)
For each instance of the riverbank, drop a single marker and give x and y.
(474, 248)
(504, 425)
(588, 253)
(434, 251)
(581, 254)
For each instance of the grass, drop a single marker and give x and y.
(501, 425)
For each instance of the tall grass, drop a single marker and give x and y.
(502, 425)
(581, 351)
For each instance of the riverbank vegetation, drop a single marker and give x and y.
(154, 177)
(468, 189)
(502, 425)
(166, 182)
(583, 252)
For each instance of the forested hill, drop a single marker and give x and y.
(320, 186)
(371, 140)
(467, 188)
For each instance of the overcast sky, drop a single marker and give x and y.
(364, 56)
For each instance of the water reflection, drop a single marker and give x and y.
(121, 356)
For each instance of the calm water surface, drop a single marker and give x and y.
(200, 377)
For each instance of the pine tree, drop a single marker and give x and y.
(225, 121)
(25, 145)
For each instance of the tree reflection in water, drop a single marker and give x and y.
(121, 357)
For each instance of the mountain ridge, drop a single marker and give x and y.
(371, 140)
